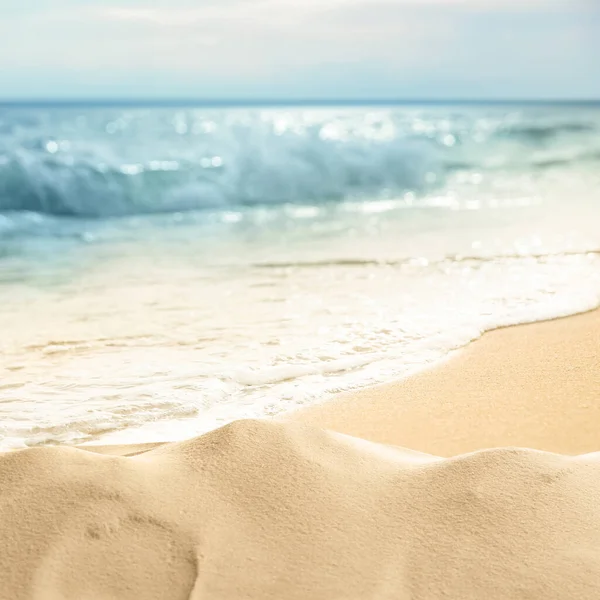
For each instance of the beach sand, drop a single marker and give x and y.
(284, 509)
(533, 386)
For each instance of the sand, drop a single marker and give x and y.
(533, 386)
(287, 510)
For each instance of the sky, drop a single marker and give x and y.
(300, 49)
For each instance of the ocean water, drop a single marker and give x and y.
(166, 270)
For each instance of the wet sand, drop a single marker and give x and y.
(534, 386)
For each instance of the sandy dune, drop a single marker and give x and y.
(286, 511)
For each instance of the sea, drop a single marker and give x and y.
(166, 269)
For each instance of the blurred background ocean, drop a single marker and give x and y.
(164, 270)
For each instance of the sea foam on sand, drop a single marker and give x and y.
(267, 510)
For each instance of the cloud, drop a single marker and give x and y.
(272, 11)
(239, 37)
(303, 47)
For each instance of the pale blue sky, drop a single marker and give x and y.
(300, 49)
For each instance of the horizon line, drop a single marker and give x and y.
(273, 102)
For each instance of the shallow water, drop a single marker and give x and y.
(163, 271)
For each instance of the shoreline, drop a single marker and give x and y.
(532, 385)
(270, 509)
(456, 405)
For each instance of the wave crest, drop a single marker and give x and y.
(270, 169)
(98, 163)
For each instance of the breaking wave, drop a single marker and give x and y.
(102, 163)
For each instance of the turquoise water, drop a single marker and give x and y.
(166, 270)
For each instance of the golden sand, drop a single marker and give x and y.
(286, 510)
(534, 386)
(282, 510)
